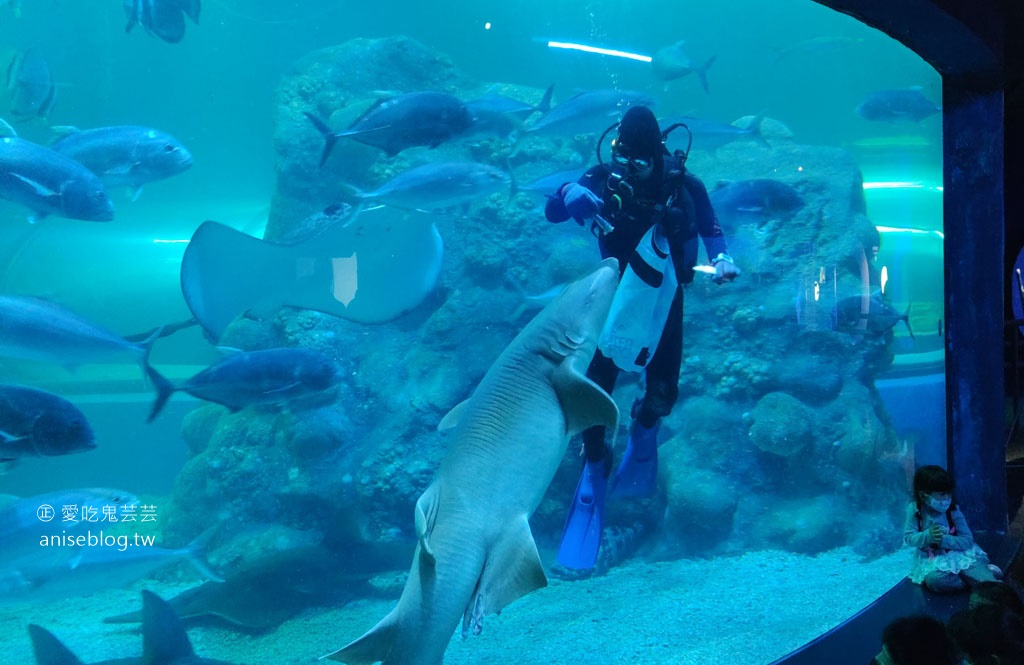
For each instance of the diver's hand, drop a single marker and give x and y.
(935, 535)
(581, 203)
(725, 271)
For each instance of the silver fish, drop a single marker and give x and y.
(588, 112)
(439, 185)
(36, 329)
(671, 62)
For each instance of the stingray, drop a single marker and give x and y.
(370, 270)
(274, 588)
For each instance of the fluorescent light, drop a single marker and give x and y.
(600, 51)
(169, 241)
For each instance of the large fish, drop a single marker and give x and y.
(278, 377)
(35, 423)
(760, 198)
(21, 524)
(36, 329)
(401, 122)
(709, 134)
(671, 62)
(897, 105)
(370, 270)
(126, 156)
(881, 317)
(29, 85)
(476, 553)
(66, 569)
(587, 112)
(439, 185)
(50, 183)
(164, 19)
(497, 115)
(164, 641)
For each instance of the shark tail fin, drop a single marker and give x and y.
(48, 649)
(373, 647)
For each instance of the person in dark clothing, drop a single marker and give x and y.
(644, 189)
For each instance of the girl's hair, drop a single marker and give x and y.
(930, 479)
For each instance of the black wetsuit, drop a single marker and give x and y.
(687, 215)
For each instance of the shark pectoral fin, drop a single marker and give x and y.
(512, 570)
(373, 647)
(452, 418)
(426, 515)
(585, 403)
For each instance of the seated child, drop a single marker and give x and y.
(946, 558)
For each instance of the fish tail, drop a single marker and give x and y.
(545, 102)
(330, 137)
(906, 320)
(513, 186)
(755, 129)
(702, 72)
(164, 390)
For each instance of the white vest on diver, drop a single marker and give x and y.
(640, 307)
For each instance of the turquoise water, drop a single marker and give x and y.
(734, 500)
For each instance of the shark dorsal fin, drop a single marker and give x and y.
(163, 636)
(48, 649)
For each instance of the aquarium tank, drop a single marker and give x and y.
(307, 347)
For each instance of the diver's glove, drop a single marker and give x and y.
(725, 269)
(581, 203)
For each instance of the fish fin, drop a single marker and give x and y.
(7, 130)
(7, 437)
(163, 636)
(136, 193)
(164, 390)
(123, 169)
(906, 320)
(426, 516)
(585, 403)
(372, 647)
(39, 188)
(452, 418)
(228, 350)
(545, 101)
(282, 388)
(6, 465)
(48, 649)
(512, 570)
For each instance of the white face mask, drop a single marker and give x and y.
(941, 505)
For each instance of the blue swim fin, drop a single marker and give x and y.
(638, 473)
(581, 536)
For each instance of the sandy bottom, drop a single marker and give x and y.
(752, 608)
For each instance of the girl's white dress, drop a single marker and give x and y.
(956, 553)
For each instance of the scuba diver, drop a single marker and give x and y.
(647, 212)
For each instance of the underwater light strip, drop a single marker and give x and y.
(894, 185)
(600, 51)
(166, 241)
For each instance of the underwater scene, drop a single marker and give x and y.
(459, 332)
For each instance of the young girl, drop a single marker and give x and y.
(946, 557)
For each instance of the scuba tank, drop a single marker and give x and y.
(641, 303)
